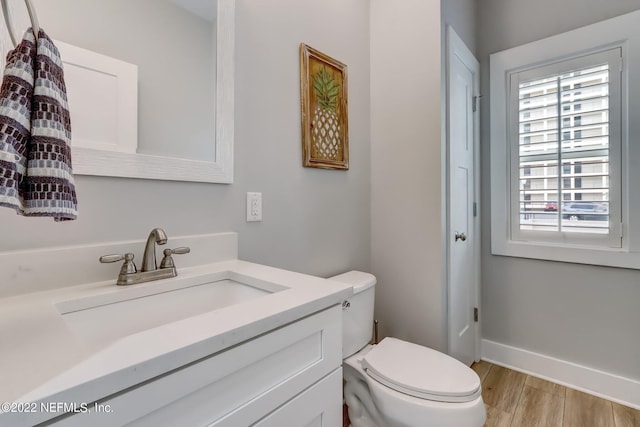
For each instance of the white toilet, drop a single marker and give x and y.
(396, 383)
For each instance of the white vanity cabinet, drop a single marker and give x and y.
(289, 376)
(192, 350)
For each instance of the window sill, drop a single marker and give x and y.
(609, 257)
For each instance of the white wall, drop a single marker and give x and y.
(579, 313)
(314, 221)
(406, 179)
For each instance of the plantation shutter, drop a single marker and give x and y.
(565, 144)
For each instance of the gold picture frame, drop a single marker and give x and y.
(325, 127)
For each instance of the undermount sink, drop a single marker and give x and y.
(111, 316)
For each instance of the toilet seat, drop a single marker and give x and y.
(421, 372)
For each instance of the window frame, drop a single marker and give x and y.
(619, 32)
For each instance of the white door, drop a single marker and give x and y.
(463, 240)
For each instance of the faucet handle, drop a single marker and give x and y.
(127, 268)
(167, 261)
(111, 258)
(179, 251)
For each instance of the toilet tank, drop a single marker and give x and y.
(357, 311)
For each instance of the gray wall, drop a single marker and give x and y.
(461, 15)
(407, 160)
(584, 314)
(408, 163)
(314, 221)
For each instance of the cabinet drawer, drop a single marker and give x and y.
(235, 387)
(319, 406)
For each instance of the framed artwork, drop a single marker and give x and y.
(325, 130)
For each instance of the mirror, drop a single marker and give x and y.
(183, 51)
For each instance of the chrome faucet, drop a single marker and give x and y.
(157, 236)
(129, 274)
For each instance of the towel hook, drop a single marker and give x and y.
(35, 26)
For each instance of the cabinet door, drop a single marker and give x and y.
(236, 387)
(318, 406)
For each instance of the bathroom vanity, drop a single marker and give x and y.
(226, 343)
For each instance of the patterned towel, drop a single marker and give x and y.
(36, 178)
(16, 94)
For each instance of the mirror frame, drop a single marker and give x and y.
(129, 165)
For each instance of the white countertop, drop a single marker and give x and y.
(41, 359)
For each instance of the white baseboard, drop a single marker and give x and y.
(599, 383)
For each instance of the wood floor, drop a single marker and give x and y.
(519, 400)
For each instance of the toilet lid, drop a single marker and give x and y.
(421, 372)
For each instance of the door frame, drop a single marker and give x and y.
(456, 46)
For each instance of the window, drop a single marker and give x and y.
(564, 145)
(577, 120)
(538, 99)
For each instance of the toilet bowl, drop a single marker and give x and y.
(397, 383)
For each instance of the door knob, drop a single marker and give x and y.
(460, 236)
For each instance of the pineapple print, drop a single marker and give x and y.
(325, 126)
